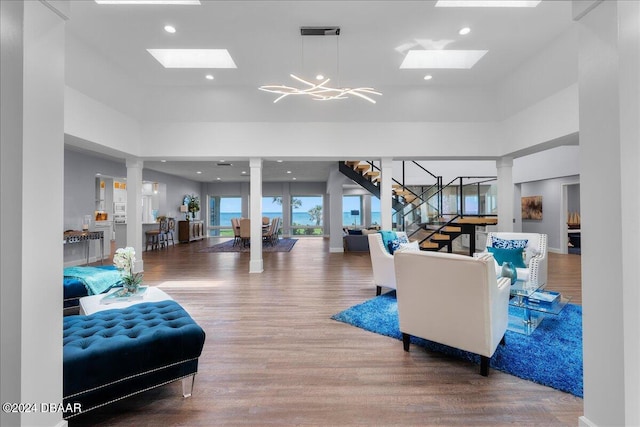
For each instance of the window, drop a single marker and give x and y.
(307, 215)
(272, 207)
(221, 210)
(375, 211)
(352, 211)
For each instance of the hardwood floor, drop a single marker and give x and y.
(274, 357)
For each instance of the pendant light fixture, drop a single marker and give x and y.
(320, 91)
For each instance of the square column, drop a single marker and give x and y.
(134, 210)
(255, 206)
(386, 194)
(506, 200)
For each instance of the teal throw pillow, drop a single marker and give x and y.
(513, 256)
(387, 238)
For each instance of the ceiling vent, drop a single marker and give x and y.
(224, 164)
(320, 31)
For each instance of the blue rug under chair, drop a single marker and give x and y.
(551, 355)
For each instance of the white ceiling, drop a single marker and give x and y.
(263, 37)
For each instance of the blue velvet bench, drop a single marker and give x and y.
(117, 353)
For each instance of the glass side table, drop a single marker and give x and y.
(532, 303)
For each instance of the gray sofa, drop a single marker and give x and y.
(356, 242)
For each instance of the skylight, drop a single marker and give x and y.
(488, 3)
(193, 58)
(417, 59)
(181, 2)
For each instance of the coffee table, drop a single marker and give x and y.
(532, 310)
(92, 304)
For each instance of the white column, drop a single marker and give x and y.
(608, 78)
(32, 159)
(255, 203)
(629, 89)
(11, 167)
(134, 209)
(286, 209)
(386, 210)
(506, 202)
(334, 187)
(366, 210)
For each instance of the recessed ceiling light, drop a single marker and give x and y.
(218, 179)
(209, 77)
(244, 172)
(198, 172)
(182, 2)
(170, 29)
(320, 77)
(288, 171)
(428, 77)
(163, 161)
(193, 58)
(464, 31)
(416, 59)
(279, 161)
(98, 174)
(294, 178)
(487, 3)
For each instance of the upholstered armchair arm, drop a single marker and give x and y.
(538, 269)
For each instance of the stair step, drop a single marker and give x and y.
(430, 246)
(451, 229)
(477, 220)
(409, 198)
(440, 237)
(372, 174)
(352, 163)
(362, 167)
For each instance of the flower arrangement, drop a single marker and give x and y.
(124, 260)
(193, 205)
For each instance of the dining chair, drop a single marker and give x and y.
(235, 224)
(245, 231)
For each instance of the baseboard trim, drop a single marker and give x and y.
(336, 250)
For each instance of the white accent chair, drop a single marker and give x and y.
(452, 299)
(382, 262)
(535, 252)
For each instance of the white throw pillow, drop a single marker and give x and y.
(529, 252)
(411, 246)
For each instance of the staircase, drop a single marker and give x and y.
(411, 204)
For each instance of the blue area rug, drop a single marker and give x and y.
(551, 356)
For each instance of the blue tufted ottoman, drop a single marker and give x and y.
(113, 354)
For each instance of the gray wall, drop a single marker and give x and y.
(552, 216)
(573, 198)
(177, 188)
(80, 171)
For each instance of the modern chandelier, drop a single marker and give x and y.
(320, 91)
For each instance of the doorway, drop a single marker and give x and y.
(571, 241)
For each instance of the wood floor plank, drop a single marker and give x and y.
(273, 356)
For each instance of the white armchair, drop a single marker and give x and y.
(452, 299)
(535, 252)
(382, 262)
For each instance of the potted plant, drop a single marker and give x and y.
(193, 205)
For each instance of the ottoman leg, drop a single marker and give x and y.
(187, 385)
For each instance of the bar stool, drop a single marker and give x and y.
(171, 227)
(153, 239)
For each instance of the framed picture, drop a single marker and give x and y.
(532, 207)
